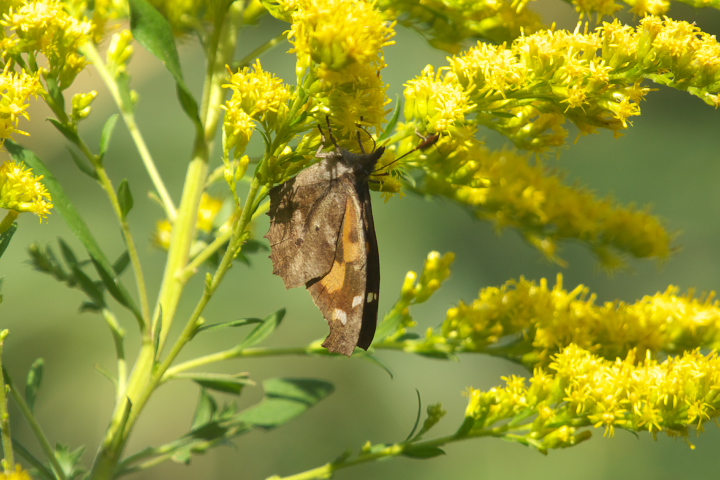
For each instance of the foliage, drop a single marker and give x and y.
(648, 366)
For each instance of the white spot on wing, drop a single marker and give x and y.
(357, 300)
(340, 315)
(371, 297)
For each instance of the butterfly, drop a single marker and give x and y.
(322, 235)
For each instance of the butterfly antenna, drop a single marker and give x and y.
(332, 137)
(428, 141)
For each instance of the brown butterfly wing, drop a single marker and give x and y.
(342, 294)
(306, 213)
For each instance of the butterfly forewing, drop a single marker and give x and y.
(306, 218)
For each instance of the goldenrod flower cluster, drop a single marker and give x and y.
(15, 90)
(339, 44)
(22, 191)
(45, 27)
(506, 187)
(528, 91)
(258, 96)
(447, 23)
(543, 321)
(580, 389)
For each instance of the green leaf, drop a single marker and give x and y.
(262, 331)
(388, 326)
(68, 255)
(205, 411)
(121, 263)
(54, 91)
(225, 383)
(422, 452)
(68, 132)
(125, 197)
(107, 132)
(78, 226)
(236, 323)
(285, 399)
(390, 127)
(6, 236)
(154, 32)
(90, 288)
(82, 165)
(34, 379)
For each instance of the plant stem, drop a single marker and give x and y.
(7, 222)
(128, 115)
(8, 462)
(395, 450)
(39, 434)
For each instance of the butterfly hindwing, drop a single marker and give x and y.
(322, 236)
(341, 294)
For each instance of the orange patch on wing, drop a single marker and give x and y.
(335, 278)
(352, 248)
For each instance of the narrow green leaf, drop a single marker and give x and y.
(107, 132)
(232, 384)
(82, 165)
(390, 127)
(417, 416)
(236, 323)
(285, 399)
(76, 223)
(262, 331)
(34, 379)
(121, 263)
(89, 287)
(68, 132)
(68, 255)
(54, 91)
(154, 32)
(423, 452)
(6, 236)
(125, 197)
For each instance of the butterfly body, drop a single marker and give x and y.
(322, 236)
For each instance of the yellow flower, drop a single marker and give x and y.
(334, 34)
(436, 100)
(18, 474)
(580, 389)
(339, 58)
(15, 90)
(259, 94)
(22, 191)
(45, 26)
(548, 320)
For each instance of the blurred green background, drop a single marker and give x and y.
(667, 159)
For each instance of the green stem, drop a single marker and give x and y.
(128, 115)
(39, 434)
(118, 338)
(219, 53)
(7, 222)
(241, 353)
(247, 60)
(191, 326)
(8, 462)
(395, 450)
